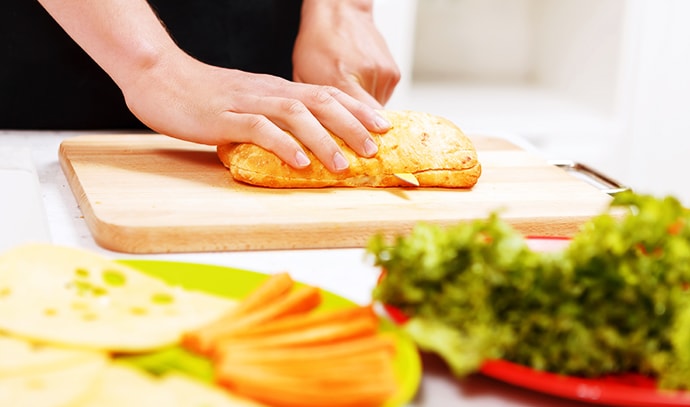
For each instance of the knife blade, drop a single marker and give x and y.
(408, 178)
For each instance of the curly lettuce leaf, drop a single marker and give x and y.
(615, 300)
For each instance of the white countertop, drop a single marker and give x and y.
(29, 155)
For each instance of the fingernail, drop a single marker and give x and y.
(301, 159)
(339, 161)
(370, 148)
(382, 123)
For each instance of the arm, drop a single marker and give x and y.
(177, 95)
(339, 45)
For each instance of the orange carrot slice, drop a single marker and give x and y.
(276, 348)
(320, 334)
(274, 287)
(329, 352)
(360, 384)
(302, 321)
(300, 300)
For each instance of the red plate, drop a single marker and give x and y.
(628, 390)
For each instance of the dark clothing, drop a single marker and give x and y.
(48, 82)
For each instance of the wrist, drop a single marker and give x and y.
(143, 58)
(365, 6)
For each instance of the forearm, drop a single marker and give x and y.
(362, 5)
(123, 36)
(334, 11)
(338, 44)
(182, 97)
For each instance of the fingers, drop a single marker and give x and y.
(280, 118)
(372, 86)
(278, 115)
(354, 88)
(385, 88)
(257, 129)
(364, 113)
(344, 116)
(293, 116)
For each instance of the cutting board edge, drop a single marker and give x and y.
(79, 193)
(121, 237)
(144, 240)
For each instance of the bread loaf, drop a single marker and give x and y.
(431, 148)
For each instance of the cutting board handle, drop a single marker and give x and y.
(604, 183)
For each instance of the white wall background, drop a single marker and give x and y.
(658, 132)
(478, 40)
(603, 82)
(397, 21)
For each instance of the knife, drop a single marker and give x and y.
(408, 178)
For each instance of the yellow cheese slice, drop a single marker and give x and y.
(50, 384)
(75, 297)
(123, 385)
(191, 392)
(22, 357)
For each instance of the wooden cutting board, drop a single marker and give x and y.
(142, 193)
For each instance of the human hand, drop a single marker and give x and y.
(193, 101)
(339, 45)
(179, 96)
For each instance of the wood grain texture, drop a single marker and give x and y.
(153, 194)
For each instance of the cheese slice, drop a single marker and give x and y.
(43, 375)
(38, 374)
(191, 392)
(78, 298)
(22, 357)
(123, 385)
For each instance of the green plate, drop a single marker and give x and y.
(236, 284)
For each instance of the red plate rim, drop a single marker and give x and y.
(629, 390)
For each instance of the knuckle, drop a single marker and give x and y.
(293, 107)
(371, 66)
(258, 124)
(323, 94)
(354, 133)
(395, 75)
(325, 140)
(273, 144)
(271, 141)
(263, 132)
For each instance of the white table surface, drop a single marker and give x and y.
(31, 155)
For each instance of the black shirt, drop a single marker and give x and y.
(48, 82)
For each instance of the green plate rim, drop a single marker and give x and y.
(210, 278)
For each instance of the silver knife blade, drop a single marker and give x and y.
(408, 178)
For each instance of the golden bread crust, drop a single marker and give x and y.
(432, 148)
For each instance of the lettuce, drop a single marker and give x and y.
(613, 301)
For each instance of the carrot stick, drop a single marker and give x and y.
(298, 322)
(298, 301)
(329, 352)
(301, 300)
(297, 395)
(351, 368)
(274, 287)
(274, 348)
(366, 369)
(367, 385)
(320, 334)
(367, 396)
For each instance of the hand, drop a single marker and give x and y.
(190, 100)
(339, 45)
(182, 97)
